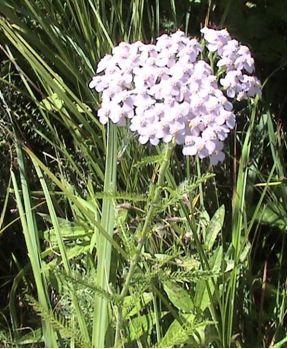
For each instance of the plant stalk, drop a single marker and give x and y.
(104, 247)
(155, 191)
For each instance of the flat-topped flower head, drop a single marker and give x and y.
(166, 91)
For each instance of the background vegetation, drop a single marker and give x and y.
(213, 270)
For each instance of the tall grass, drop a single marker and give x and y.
(33, 247)
(134, 247)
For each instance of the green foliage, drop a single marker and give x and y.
(178, 296)
(162, 251)
(214, 227)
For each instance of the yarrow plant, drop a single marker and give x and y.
(167, 91)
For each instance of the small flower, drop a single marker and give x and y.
(216, 39)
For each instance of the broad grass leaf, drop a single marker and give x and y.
(214, 227)
(178, 296)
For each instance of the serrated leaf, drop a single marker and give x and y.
(176, 334)
(164, 258)
(185, 187)
(214, 227)
(121, 196)
(149, 160)
(140, 325)
(178, 296)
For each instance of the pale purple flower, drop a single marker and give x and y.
(244, 61)
(165, 91)
(103, 64)
(216, 39)
(217, 157)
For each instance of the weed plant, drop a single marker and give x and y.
(125, 245)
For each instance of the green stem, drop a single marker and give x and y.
(104, 247)
(157, 318)
(238, 211)
(155, 191)
(200, 184)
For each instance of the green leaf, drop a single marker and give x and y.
(71, 252)
(271, 216)
(214, 227)
(121, 196)
(53, 102)
(32, 337)
(83, 108)
(190, 332)
(132, 305)
(149, 160)
(188, 263)
(176, 334)
(178, 296)
(202, 300)
(245, 252)
(68, 233)
(141, 325)
(215, 260)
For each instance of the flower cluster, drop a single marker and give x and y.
(165, 91)
(237, 61)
